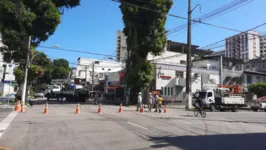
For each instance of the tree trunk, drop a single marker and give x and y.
(134, 95)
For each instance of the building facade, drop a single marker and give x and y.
(243, 46)
(6, 75)
(263, 45)
(121, 46)
(95, 70)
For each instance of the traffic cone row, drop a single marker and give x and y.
(120, 110)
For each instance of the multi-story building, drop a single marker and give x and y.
(243, 46)
(121, 46)
(95, 70)
(6, 75)
(263, 45)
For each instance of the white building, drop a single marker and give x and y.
(243, 45)
(6, 75)
(263, 45)
(86, 67)
(121, 46)
(170, 76)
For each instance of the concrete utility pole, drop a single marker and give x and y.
(189, 63)
(188, 73)
(221, 70)
(24, 89)
(92, 81)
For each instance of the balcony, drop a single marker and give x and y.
(180, 81)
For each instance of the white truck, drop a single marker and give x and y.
(220, 99)
(65, 89)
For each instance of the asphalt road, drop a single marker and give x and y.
(62, 129)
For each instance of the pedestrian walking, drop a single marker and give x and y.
(156, 102)
(139, 101)
(150, 101)
(160, 102)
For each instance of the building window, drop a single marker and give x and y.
(183, 62)
(258, 78)
(161, 91)
(179, 74)
(172, 90)
(249, 79)
(169, 91)
(165, 90)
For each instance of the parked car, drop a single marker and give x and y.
(11, 95)
(37, 95)
(259, 104)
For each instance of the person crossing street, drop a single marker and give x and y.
(139, 101)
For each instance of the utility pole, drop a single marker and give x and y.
(86, 70)
(92, 81)
(188, 72)
(24, 89)
(189, 63)
(221, 70)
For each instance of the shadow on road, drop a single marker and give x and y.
(254, 141)
(52, 102)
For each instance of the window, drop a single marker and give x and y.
(169, 91)
(165, 91)
(179, 74)
(172, 91)
(161, 91)
(183, 62)
(209, 94)
(249, 79)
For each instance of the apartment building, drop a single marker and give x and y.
(121, 46)
(263, 45)
(243, 46)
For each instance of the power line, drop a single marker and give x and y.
(224, 9)
(77, 51)
(175, 16)
(204, 47)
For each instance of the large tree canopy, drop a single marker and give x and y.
(145, 31)
(259, 89)
(61, 69)
(21, 19)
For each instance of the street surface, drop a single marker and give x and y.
(62, 129)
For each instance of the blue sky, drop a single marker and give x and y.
(92, 26)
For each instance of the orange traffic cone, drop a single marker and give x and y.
(120, 110)
(165, 109)
(100, 109)
(17, 108)
(22, 108)
(142, 109)
(78, 109)
(46, 109)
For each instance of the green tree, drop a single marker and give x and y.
(21, 19)
(145, 31)
(258, 88)
(60, 69)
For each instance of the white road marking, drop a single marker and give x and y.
(137, 125)
(5, 123)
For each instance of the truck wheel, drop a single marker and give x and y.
(235, 109)
(212, 107)
(254, 109)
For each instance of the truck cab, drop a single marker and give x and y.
(220, 99)
(207, 97)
